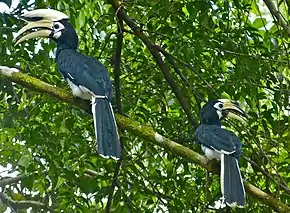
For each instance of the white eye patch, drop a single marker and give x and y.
(57, 28)
(219, 106)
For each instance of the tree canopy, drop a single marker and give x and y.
(166, 59)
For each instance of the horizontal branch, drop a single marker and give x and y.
(22, 204)
(135, 128)
(37, 85)
(11, 180)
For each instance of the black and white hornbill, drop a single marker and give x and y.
(224, 145)
(87, 77)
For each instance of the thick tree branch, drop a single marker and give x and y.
(135, 128)
(157, 57)
(271, 6)
(42, 87)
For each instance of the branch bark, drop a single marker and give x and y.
(91, 172)
(157, 57)
(145, 132)
(12, 180)
(23, 204)
(271, 6)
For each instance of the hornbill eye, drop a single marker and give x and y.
(56, 26)
(219, 106)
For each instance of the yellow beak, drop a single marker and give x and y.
(233, 110)
(43, 27)
(39, 24)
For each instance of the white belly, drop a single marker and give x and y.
(210, 153)
(79, 91)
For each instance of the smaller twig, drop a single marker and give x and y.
(171, 61)
(206, 189)
(255, 165)
(24, 204)
(13, 180)
(165, 53)
(117, 63)
(271, 6)
(114, 184)
(21, 7)
(155, 191)
(8, 29)
(120, 24)
(91, 172)
(106, 42)
(118, 66)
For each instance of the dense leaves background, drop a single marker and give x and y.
(224, 49)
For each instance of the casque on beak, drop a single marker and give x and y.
(39, 24)
(42, 28)
(232, 109)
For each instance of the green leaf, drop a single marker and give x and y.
(184, 9)
(60, 181)
(82, 18)
(28, 182)
(24, 161)
(259, 22)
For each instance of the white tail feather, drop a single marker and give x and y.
(222, 176)
(94, 116)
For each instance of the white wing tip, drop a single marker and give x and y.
(234, 204)
(110, 156)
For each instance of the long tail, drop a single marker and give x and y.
(105, 128)
(232, 186)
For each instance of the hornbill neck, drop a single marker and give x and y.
(210, 119)
(68, 38)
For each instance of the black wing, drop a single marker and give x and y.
(85, 71)
(213, 136)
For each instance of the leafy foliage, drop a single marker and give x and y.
(229, 49)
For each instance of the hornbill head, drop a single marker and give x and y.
(47, 23)
(214, 111)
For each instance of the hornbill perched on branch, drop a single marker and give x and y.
(223, 145)
(87, 77)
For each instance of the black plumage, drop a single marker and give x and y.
(89, 79)
(225, 146)
(213, 136)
